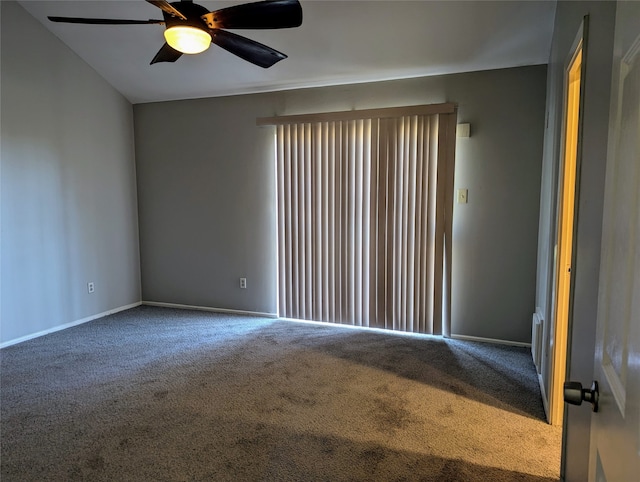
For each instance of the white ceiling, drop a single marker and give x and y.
(339, 42)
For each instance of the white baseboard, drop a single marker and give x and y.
(490, 340)
(545, 402)
(68, 325)
(208, 308)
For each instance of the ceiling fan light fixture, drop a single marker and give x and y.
(187, 39)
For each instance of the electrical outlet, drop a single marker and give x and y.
(243, 283)
(91, 287)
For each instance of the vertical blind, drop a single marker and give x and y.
(360, 226)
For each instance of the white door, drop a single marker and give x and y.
(615, 428)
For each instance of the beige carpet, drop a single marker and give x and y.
(161, 394)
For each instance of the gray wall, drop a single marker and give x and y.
(588, 208)
(68, 194)
(207, 200)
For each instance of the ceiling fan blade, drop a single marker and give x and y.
(103, 21)
(166, 54)
(246, 49)
(268, 14)
(167, 7)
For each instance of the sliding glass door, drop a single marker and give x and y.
(362, 218)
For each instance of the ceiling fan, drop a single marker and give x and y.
(191, 28)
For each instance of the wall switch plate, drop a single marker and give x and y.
(243, 283)
(91, 287)
(463, 196)
(463, 130)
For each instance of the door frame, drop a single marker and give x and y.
(560, 334)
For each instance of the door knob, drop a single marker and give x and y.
(575, 394)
